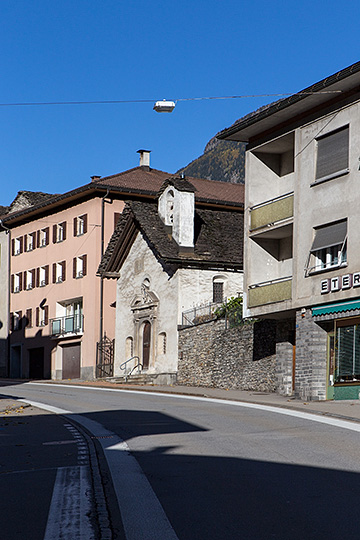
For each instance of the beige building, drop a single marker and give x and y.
(302, 248)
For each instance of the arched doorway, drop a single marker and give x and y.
(146, 344)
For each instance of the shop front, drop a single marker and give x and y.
(343, 369)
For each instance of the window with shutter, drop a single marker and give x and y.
(328, 250)
(332, 155)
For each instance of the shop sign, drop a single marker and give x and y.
(340, 283)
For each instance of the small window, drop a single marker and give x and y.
(43, 276)
(17, 245)
(30, 241)
(16, 282)
(16, 320)
(218, 291)
(59, 272)
(59, 232)
(162, 343)
(329, 247)
(169, 217)
(80, 225)
(42, 316)
(29, 279)
(129, 348)
(332, 155)
(79, 267)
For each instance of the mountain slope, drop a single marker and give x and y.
(222, 160)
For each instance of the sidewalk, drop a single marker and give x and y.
(347, 409)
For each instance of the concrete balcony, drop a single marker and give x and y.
(269, 292)
(272, 213)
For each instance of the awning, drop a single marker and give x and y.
(337, 307)
(330, 235)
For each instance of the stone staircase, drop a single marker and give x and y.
(139, 379)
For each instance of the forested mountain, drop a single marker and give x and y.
(222, 160)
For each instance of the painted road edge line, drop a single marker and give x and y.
(330, 421)
(133, 491)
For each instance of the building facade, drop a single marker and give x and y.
(302, 256)
(54, 295)
(169, 256)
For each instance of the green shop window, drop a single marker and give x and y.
(347, 351)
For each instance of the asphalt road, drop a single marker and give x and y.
(216, 470)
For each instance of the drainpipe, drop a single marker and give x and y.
(8, 231)
(102, 253)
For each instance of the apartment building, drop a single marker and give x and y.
(302, 256)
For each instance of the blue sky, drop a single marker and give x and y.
(89, 50)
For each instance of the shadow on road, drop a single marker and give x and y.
(226, 498)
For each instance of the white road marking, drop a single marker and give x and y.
(70, 506)
(133, 491)
(336, 422)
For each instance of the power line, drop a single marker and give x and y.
(122, 101)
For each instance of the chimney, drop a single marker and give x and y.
(144, 159)
(94, 178)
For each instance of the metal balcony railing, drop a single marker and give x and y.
(70, 324)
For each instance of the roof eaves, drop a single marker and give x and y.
(281, 104)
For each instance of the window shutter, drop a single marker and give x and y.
(84, 258)
(33, 276)
(28, 322)
(74, 267)
(330, 235)
(47, 236)
(116, 218)
(37, 238)
(21, 243)
(38, 277)
(46, 309)
(47, 274)
(332, 153)
(75, 226)
(13, 246)
(11, 322)
(12, 280)
(85, 218)
(54, 273)
(20, 323)
(37, 316)
(20, 281)
(64, 229)
(63, 264)
(54, 233)
(25, 280)
(25, 242)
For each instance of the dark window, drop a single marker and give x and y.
(218, 291)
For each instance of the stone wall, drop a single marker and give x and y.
(311, 343)
(242, 357)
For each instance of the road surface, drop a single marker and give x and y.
(191, 468)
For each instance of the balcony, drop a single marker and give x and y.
(68, 325)
(269, 292)
(274, 213)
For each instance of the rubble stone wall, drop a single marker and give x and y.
(242, 357)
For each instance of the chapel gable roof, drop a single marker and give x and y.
(218, 238)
